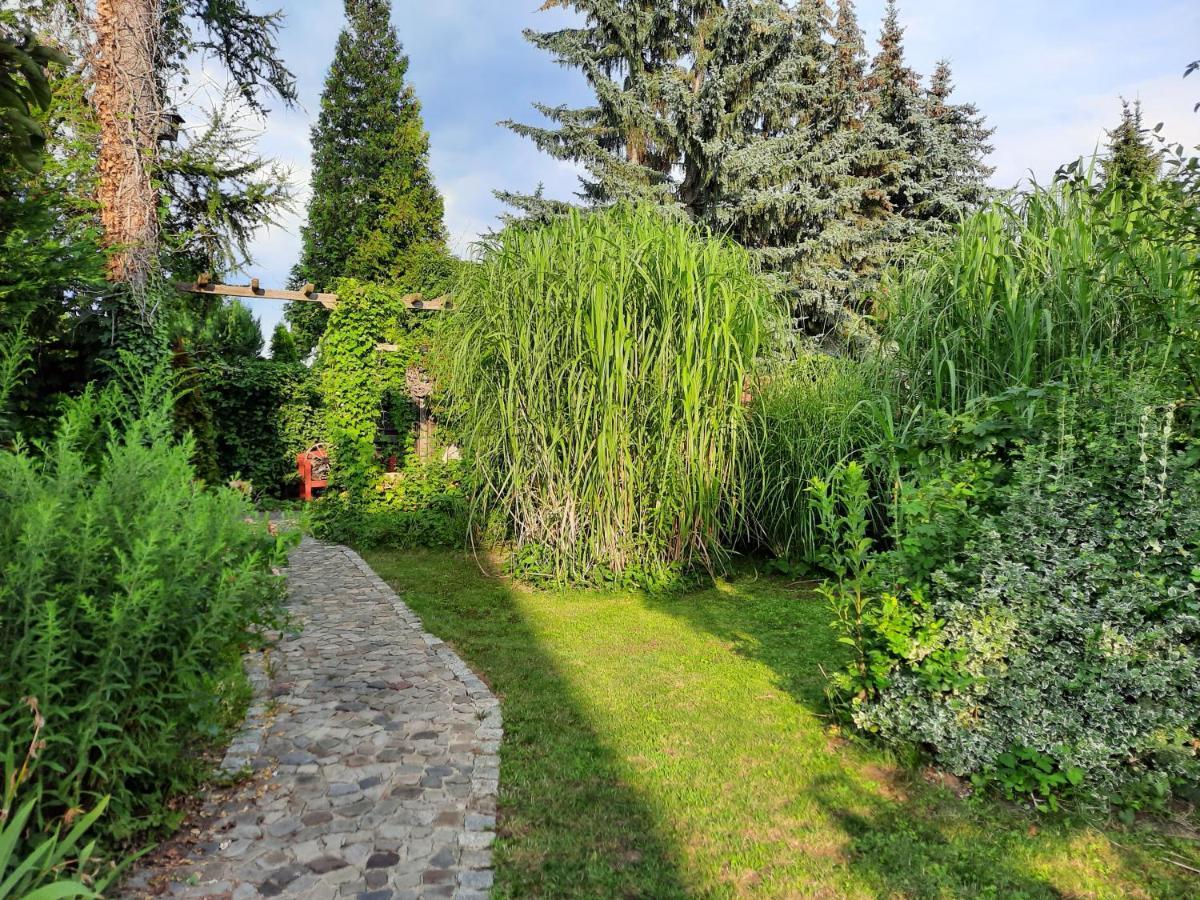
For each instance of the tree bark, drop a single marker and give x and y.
(129, 109)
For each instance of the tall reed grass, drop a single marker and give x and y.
(598, 374)
(1029, 291)
(807, 419)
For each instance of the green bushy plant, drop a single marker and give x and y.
(422, 505)
(264, 413)
(127, 594)
(598, 373)
(1053, 648)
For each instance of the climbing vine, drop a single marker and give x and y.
(356, 378)
(420, 505)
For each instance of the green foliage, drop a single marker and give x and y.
(242, 40)
(759, 120)
(1027, 294)
(218, 193)
(373, 198)
(806, 419)
(50, 864)
(264, 413)
(1131, 160)
(14, 366)
(24, 89)
(53, 266)
(423, 505)
(231, 333)
(1042, 634)
(283, 345)
(598, 370)
(355, 377)
(843, 516)
(127, 594)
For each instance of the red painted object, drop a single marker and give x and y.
(313, 466)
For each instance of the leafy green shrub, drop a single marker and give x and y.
(423, 505)
(806, 419)
(1053, 647)
(264, 413)
(598, 374)
(127, 593)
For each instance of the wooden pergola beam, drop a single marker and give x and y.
(329, 301)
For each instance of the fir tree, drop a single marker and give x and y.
(373, 196)
(895, 95)
(759, 119)
(1130, 160)
(629, 52)
(940, 148)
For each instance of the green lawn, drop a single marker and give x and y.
(660, 747)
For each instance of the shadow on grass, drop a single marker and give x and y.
(569, 826)
(905, 837)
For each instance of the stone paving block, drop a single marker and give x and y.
(379, 751)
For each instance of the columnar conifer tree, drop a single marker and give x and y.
(374, 204)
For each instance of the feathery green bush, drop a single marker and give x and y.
(598, 376)
(127, 593)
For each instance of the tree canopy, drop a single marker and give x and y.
(374, 204)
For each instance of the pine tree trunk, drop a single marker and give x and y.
(129, 111)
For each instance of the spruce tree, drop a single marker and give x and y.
(895, 94)
(1130, 160)
(956, 162)
(373, 197)
(759, 119)
(629, 51)
(940, 170)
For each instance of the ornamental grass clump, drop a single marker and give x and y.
(128, 590)
(808, 417)
(1032, 291)
(598, 375)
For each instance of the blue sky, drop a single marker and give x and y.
(1047, 74)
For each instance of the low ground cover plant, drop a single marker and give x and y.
(128, 591)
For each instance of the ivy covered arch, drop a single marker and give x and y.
(357, 381)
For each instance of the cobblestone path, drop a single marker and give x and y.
(375, 750)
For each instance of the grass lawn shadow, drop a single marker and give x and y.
(903, 835)
(668, 746)
(569, 825)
